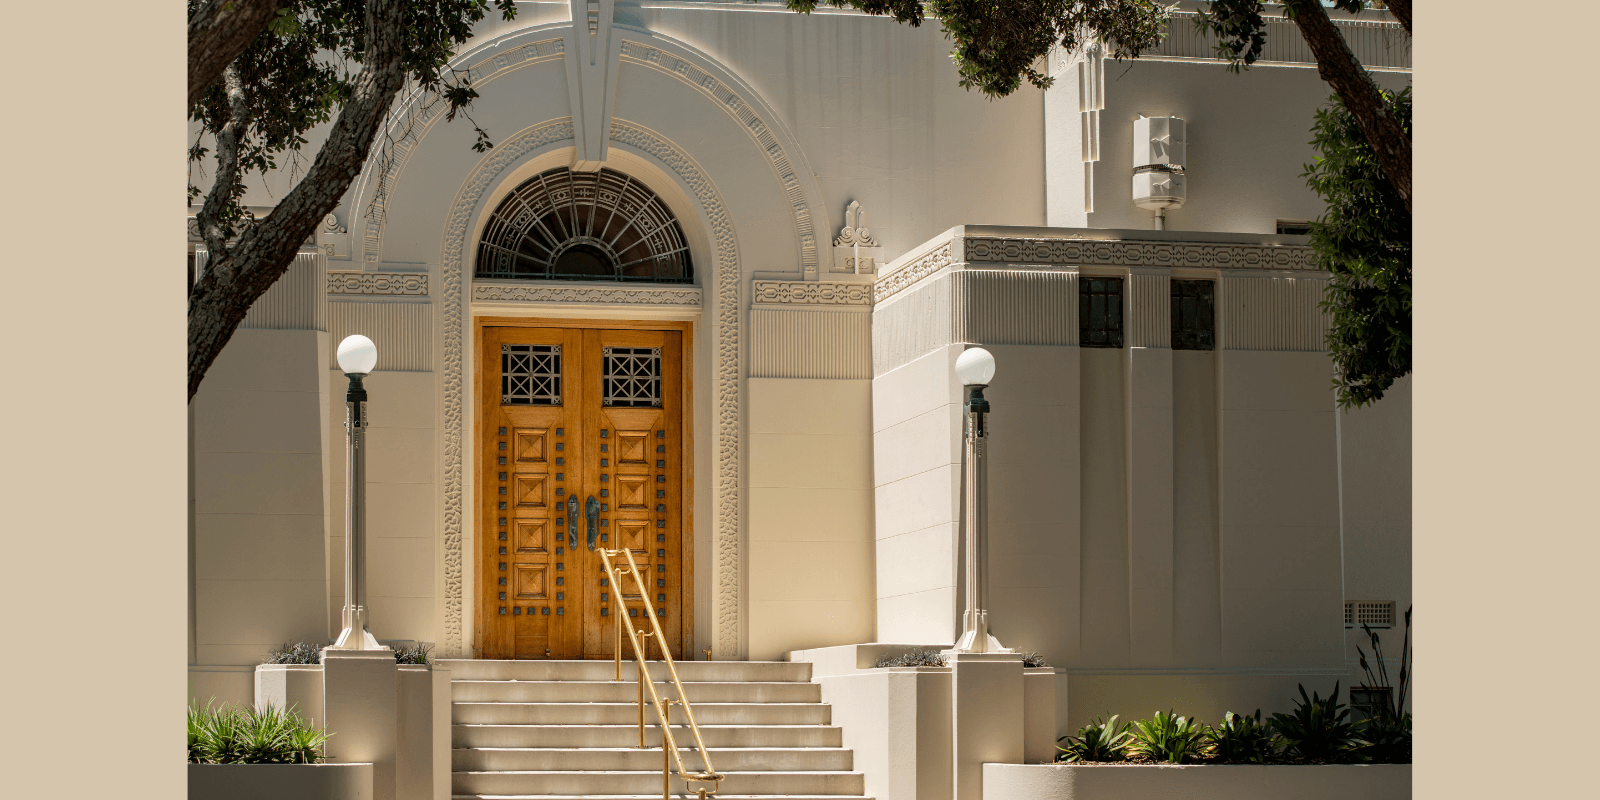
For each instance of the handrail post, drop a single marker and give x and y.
(616, 621)
(642, 677)
(666, 785)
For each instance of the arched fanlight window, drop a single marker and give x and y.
(583, 226)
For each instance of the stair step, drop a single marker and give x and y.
(516, 691)
(646, 782)
(737, 759)
(624, 713)
(654, 796)
(621, 736)
(717, 671)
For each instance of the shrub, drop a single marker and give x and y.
(1242, 740)
(1386, 735)
(920, 658)
(297, 653)
(1168, 737)
(234, 735)
(1032, 659)
(1385, 740)
(1318, 729)
(1097, 741)
(413, 654)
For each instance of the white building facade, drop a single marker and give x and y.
(715, 274)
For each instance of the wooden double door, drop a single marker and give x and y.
(583, 447)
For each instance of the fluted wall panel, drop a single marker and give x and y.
(914, 323)
(1015, 306)
(1382, 45)
(1149, 310)
(810, 343)
(297, 302)
(1273, 313)
(403, 332)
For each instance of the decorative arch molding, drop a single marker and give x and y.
(504, 55)
(726, 366)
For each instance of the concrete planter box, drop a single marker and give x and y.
(1207, 782)
(279, 781)
(296, 686)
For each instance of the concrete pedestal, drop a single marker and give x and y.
(360, 701)
(423, 745)
(987, 717)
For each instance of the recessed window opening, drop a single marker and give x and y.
(1193, 315)
(1294, 227)
(1099, 312)
(583, 226)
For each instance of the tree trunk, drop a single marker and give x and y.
(218, 32)
(1338, 66)
(237, 276)
(1401, 9)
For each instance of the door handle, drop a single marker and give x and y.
(592, 511)
(572, 521)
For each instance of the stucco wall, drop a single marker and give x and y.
(403, 540)
(916, 419)
(1248, 143)
(1375, 469)
(259, 496)
(811, 548)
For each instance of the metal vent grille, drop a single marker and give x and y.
(632, 376)
(530, 374)
(1373, 615)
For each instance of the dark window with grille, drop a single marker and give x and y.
(1099, 312)
(530, 374)
(1193, 315)
(632, 377)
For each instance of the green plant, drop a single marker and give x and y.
(413, 654)
(1169, 737)
(1318, 729)
(297, 653)
(1097, 741)
(1242, 740)
(1386, 734)
(246, 735)
(1032, 659)
(920, 658)
(1364, 242)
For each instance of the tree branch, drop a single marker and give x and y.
(1401, 9)
(216, 216)
(218, 32)
(1339, 67)
(265, 250)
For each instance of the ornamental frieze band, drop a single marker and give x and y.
(410, 284)
(812, 293)
(689, 296)
(1100, 253)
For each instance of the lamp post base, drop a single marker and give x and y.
(349, 639)
(977, 638)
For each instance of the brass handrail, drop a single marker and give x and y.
(662, 706)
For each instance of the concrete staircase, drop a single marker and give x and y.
(542, 730)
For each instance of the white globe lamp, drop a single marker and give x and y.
(357, 355)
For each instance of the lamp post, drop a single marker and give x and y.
(975, 368)
(357, 356)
